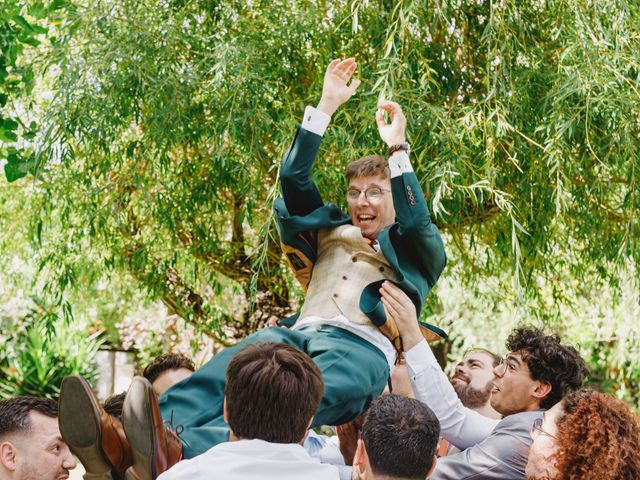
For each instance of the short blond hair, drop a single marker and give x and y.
(367, 167)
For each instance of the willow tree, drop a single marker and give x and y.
(169, 118)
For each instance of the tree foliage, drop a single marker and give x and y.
(169, 118)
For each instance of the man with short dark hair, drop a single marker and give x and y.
(31, 447)
(167, 370)
(271, 394)
(536, 374)
(398, 441)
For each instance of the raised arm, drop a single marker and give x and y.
(412, 213)
(461, 426)
(300, 194)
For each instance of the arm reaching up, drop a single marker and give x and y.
(461, 426)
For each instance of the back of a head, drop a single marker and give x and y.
(548, 360)
(272, 392)
(598, 438)
(400, 436)
(14, 414)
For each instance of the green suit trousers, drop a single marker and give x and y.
(354, 372)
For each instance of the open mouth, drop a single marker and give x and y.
(365, 219)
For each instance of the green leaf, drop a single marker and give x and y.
(15, 171)
(38, 10)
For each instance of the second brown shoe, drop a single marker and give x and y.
(94, 436)
(155, 448)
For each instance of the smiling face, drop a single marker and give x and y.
(514, 390)
(473, 379)
(368, 214)
(41, 453)
(542, 455)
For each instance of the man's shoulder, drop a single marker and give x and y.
(518, 422)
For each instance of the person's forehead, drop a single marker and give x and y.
(43, 428)
(369, 181)
(481, 357)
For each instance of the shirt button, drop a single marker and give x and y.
(335, 295)
(354, 259)
(381, 269)
(344, 277)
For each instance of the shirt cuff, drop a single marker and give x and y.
(315, 121)
(399, 163)
(420, 358)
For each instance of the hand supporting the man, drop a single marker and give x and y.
(391, 133)
(400, 308)
(335, 90)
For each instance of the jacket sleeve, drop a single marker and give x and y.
(415, 226)
(300, 194)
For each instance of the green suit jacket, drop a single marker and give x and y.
(412, 245)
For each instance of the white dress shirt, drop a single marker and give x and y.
(252, 459)
(461, 426)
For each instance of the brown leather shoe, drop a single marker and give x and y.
(155, 448)
(94, 436)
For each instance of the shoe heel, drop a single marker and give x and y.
(79, 421)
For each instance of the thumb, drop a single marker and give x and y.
(354, 85)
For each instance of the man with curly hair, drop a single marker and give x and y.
(537, 373)
(587, 436)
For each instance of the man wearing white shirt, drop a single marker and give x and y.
(271, 394)
(536, 374)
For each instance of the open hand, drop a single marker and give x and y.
(336, 89)
(400, 308)
(391, 133)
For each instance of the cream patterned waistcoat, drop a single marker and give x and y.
(346, 264)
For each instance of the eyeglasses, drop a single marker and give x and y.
(537, 429)
(373, 194)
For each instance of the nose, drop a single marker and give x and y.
(499, 370)
(69, 462)
(460, 368)
(362, 199)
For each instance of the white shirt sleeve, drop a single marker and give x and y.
(315, 121)
(461, 426)
(399, 163)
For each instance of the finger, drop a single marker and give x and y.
(380, 118)
(390, 106)
(395, 306)
(390, 310)
(395, 295)
(345, 64)
(332, 65)
(351, 69)
(354, 85)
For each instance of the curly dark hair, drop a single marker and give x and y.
(561, 366)
(168, 361)
(598, 438)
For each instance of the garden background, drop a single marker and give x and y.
(141, 141)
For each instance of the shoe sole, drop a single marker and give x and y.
(139, 428)
(83, 432)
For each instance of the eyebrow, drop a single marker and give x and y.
(514, 358)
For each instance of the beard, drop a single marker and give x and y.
(472, 397)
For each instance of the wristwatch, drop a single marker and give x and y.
(404, 147)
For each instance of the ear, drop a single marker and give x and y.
(8, 452)
(360, 458)
(542, 390)
(433, 466)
